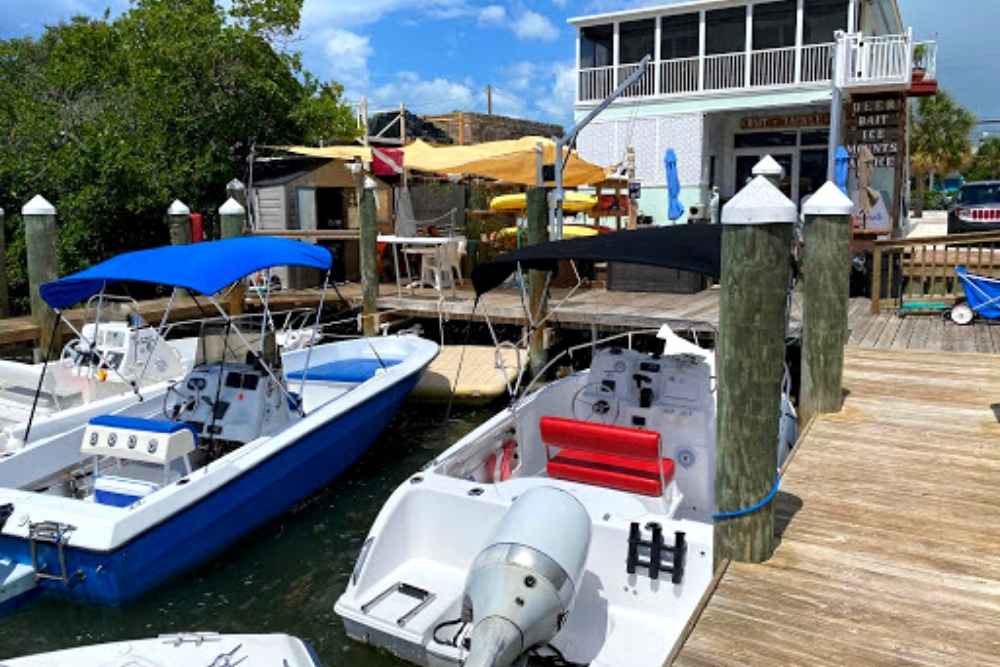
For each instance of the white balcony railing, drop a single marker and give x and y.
(769, 68)
(725, 72)
(679, 75)
(925, 58)
(882, 62)
(817, 62)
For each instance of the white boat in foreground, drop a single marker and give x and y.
(188, 649)
(574, 527)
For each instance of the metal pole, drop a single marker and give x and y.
(568, 140)
(836, 105)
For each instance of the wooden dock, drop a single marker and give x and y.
(890, 529)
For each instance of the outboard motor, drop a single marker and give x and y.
(522, 585)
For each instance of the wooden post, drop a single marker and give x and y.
(232, 217)
(43, 265)
(756, 270)
(827, 286)
(633, 213)
(876, 286)
(179, 223)
(4, 297)
(369, 251)
(538, 232)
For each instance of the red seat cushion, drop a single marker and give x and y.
(601, 438)
(622, 473)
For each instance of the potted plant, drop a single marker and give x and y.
(919, 62)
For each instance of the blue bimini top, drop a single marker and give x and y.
(205, 268)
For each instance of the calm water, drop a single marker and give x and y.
(285, 577)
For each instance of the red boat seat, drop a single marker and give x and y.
(616, 457)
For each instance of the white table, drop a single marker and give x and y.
(436, 245)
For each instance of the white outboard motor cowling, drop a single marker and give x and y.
(522, 586)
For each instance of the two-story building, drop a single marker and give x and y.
(733, 80)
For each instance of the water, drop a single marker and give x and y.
(285, 577)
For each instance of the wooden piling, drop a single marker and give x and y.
(369, 250)
(538, 232)
(43, 265)
(756, 269)
(826, 279)
(179, 223)
(232, 222)
(4, 296)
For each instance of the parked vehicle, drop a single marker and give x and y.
(976, 208)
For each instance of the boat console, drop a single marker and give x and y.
(230, 402)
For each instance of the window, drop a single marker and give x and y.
(822, 19)
(679, 37)
(774, 25)
(637, 40)
(766, 139)
(726, 31)
(815, 137)
(595, 46)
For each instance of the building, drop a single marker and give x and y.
(733, 80)
(465, 128)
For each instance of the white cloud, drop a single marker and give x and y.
(493, 15)
(558, 103)
(532, 25)
(347, 55)
(347, 13)
(426, 96)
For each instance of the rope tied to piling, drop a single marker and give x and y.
(756, 507)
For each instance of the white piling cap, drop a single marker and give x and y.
(178, 208)
(1, 211)
(235, 184)
(759, 203)
(232, 207)
(370, 183)
(768, 166)
(829, 200)
(38, 206)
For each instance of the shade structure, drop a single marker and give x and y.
(205, 268)
(675, 209)
(512, 161)
(696, 248)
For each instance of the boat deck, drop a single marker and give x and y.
(890, 529)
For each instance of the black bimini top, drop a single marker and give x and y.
(696, 248)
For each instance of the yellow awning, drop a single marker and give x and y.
(509, 161)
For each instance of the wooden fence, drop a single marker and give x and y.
(923, 269)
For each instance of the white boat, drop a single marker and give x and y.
(194, 649)
(108, 358)
(101, 507)
(574, 527)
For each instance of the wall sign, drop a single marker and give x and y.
(791, 121)
(877, 122)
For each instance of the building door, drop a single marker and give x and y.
(812, 171)
(745, 163)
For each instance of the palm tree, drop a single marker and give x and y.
(985, 164)
(940, 142)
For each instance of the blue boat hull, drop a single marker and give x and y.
(205, 529)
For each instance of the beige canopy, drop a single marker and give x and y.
(511, 161)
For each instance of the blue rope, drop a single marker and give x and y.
(756, 507)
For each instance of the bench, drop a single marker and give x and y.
(615, 457)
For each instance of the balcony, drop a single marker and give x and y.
(762, 69)
(885, 63)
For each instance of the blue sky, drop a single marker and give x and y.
(439, 55)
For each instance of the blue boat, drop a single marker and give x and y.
(108, 501)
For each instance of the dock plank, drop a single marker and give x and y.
(892, 552)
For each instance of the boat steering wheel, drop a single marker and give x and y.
(595, 402)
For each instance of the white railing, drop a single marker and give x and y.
(644, 87)
(725, 72)
(773, 67)
(769, 68)
(817, 62)
(595, 83)
(867, 62)
(679, 76)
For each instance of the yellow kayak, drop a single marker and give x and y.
(575, 202)
(569, 231)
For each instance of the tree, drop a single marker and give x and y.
(112, 119)
(985, 165)
(940, 142)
